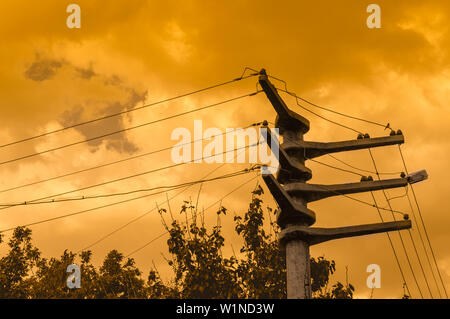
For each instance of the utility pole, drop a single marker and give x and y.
(292, 193)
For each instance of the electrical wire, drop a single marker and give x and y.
(128, 128)
(117, 162)
(374, 205)
(334, 167)
(150, 211)
(378, 174)
(392, 246)
(341, 194)
(387, 126)
(242, 77)
(420, 264)
(362, 170)
(166, 232)
(324, 187)
(399, 233)
(99, 207)
(143, 190)
(81, 212)
(327, 109)
(400, 196)
(423, 243)
(131, 176)
(321, 116)
(423, 223)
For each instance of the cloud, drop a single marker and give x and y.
(46, 68)
(85, 73)
(105, 107)
(43, 69)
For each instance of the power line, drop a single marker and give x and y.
(349, 128)
(242, 77)
(148, 212)
(163, 234)
(104, 206)
(341, 194)
(423, 224)
(420, 263)
(399, 234)
(352, 129)
(363, 170)
(327, 109)
(343, 169)
(81, 212)
(134, 175)
(373, 205)
(321, 116)
(400, 196)
(392, 246)
(59, 200)
(359, 200)
(115, 162)
(377, 172)
(334, 167)
(423, 243)
(128, 129)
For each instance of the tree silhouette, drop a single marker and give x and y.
(199, 268)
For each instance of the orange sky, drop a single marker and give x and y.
(132, 52)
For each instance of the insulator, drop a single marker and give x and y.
(366, 135)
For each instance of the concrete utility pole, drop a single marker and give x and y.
(292, 193)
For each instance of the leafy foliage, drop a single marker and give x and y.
(199, 268)
(15, 267)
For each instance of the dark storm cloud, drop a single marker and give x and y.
(45, 68)
(87, 73)
(117, 142)
(113, 80)
(42, 69)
